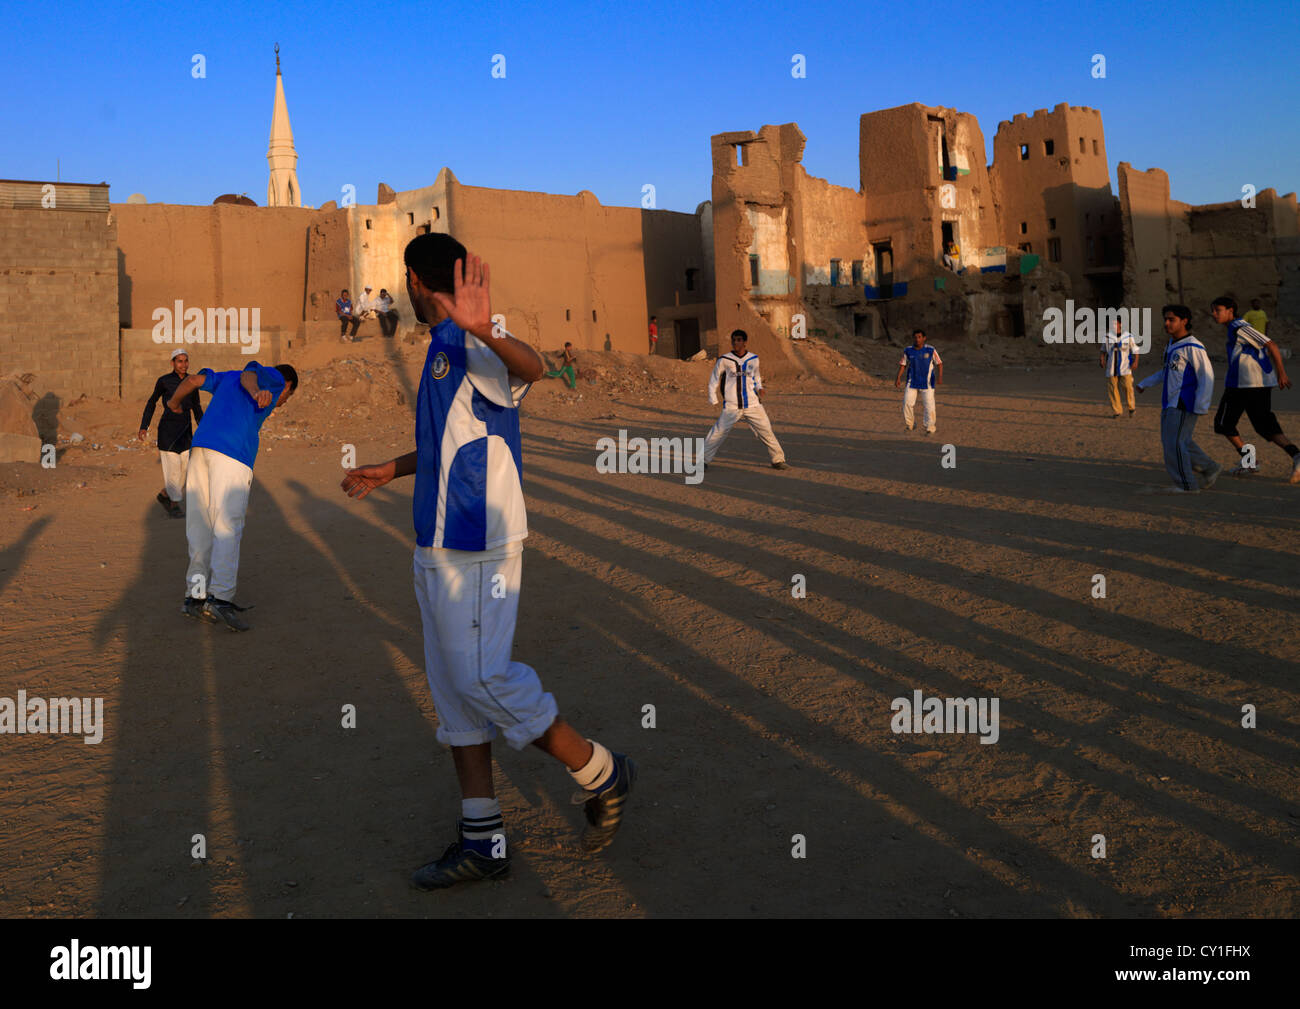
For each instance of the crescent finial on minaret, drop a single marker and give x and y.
(277, 57)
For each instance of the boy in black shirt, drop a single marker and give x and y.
(174, 433)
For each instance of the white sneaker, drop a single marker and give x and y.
(1211, 475)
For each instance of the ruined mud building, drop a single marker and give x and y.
(1038, 225)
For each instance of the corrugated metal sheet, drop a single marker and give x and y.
(19, 195)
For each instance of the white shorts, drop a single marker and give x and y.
(468, 604)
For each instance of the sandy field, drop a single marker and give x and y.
(1119, 716)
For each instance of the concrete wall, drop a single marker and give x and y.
(58, 297)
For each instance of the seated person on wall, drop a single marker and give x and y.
(387, 315)
(567, 369)
(343, 306)
(366, 305)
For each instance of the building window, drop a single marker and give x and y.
(1048, 147)
(753, 271)
(593, 315)
(1024, 152)
(1027, 248)
(742, 155)
(1051, 224)
(857, 273)
(1024, 227)
(1094, 148)
(410, 218)
(1054, 249)
(436, 213)
(1105, 250)
(835, 273)
(566, 315)
(367, 223)
(1091, 255)
(690, 279)
(1081, 150)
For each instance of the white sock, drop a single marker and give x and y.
(480, 819)
(596, 773)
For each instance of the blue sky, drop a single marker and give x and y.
(610, 97)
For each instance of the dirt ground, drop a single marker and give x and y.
(1120, 715)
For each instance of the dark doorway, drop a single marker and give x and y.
(884, 269)
(688, 337)
(947, 240)
(1017, 313)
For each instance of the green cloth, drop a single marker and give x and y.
(568, 375)
(1027, 263)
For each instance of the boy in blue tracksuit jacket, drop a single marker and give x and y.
(1187, 389)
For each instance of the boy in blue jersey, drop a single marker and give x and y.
(1255, 369)
(220, 478)
(1187, 387)
(470, 522)
(924, 371)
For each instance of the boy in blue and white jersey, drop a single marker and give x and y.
(470, 522)
(1186, 392)
(924, 370)
(1255, 369)
(1119, 356)
(737, 375)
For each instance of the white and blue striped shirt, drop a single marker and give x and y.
(1187, 375)
(1120, 351)
(739, 379)
(468, 490)
(1249, 366)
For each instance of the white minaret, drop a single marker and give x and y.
(282, 188)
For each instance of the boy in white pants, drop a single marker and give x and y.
(924, 371)
(220, 478)
(742, 399)
(470, 522)
(174, 432)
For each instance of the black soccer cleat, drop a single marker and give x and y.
(221, 611)
(459, 865)
(605, 811)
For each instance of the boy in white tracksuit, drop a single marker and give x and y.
(742, 394)
(1187, 390)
